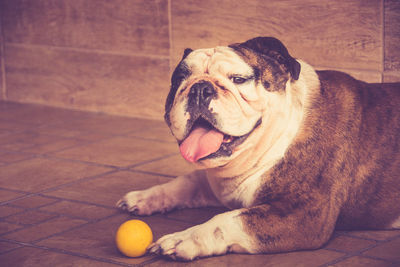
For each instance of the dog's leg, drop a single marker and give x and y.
(259, 229)
(223, 233)
(188, 191)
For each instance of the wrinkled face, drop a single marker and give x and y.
(218, 98)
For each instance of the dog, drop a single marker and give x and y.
(294, 153)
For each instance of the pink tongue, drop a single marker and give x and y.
(201, 142)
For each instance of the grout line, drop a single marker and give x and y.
(154, 173)
(150, 160)
(50, 156)
(355, 254)
(151, 139)
(76, 181)
(74, 227)
(87, 50)
(79, 202)
(25, 210)
(56, 214)
(27, 226)
(349, 234)
(60, 251)
(361, 251)
(30, 194)
(150, 261)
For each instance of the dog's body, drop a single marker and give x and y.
(293, 152)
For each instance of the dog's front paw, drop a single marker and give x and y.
(179, 246)
(140, 202)
(187, 245)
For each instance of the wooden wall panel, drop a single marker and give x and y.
(2, 81)
(342, 34)
(390, 77)
(392, 41)
(128, 26)
(116, 56)
(126, 85)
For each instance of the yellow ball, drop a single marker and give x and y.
(133, 237)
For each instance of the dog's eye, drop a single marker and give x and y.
(238, 80)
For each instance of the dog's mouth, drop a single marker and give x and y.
(204, 141)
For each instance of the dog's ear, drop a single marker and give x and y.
(186, 53)
(272, 47)
(180, 73)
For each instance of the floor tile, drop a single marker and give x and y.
(6, 227)
(26, 140)
(120, 151)
(7, 246)
(349, 244)
(388, 250)
(98, 239)
(161, 132)
(46, 152)
(34, 257)
(43, 230)
(6, 210)
(58, 130)
(41, 173)
(358, 261)
(32, 201)
(105, 124)
(108, 189)
(35, 114)
(174, 166)
(12, 127)
(92, 137)
(10, 157)
(306, 258)
(30, 217)
(6, 195)
(79, 210)
(375, 235)
(67, 131)
(54, 146)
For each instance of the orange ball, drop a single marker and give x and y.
(133, 238)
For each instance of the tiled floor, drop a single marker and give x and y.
(61, 173)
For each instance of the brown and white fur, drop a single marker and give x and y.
(321, 151)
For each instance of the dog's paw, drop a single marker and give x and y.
(187, 245)
(178, 246)
(139, 202)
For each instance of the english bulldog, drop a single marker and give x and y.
(292, 152)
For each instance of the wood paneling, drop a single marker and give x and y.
(125, 85)
(344, 34)
(392, 35)
(2, 82)
(2, 89)
(129, 26)
(116, 56)
(390, 77)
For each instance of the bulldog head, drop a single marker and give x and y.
(221, 96)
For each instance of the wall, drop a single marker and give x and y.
(116, 56)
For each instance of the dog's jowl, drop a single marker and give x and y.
(294, 153)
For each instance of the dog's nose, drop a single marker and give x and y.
(201, 93)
